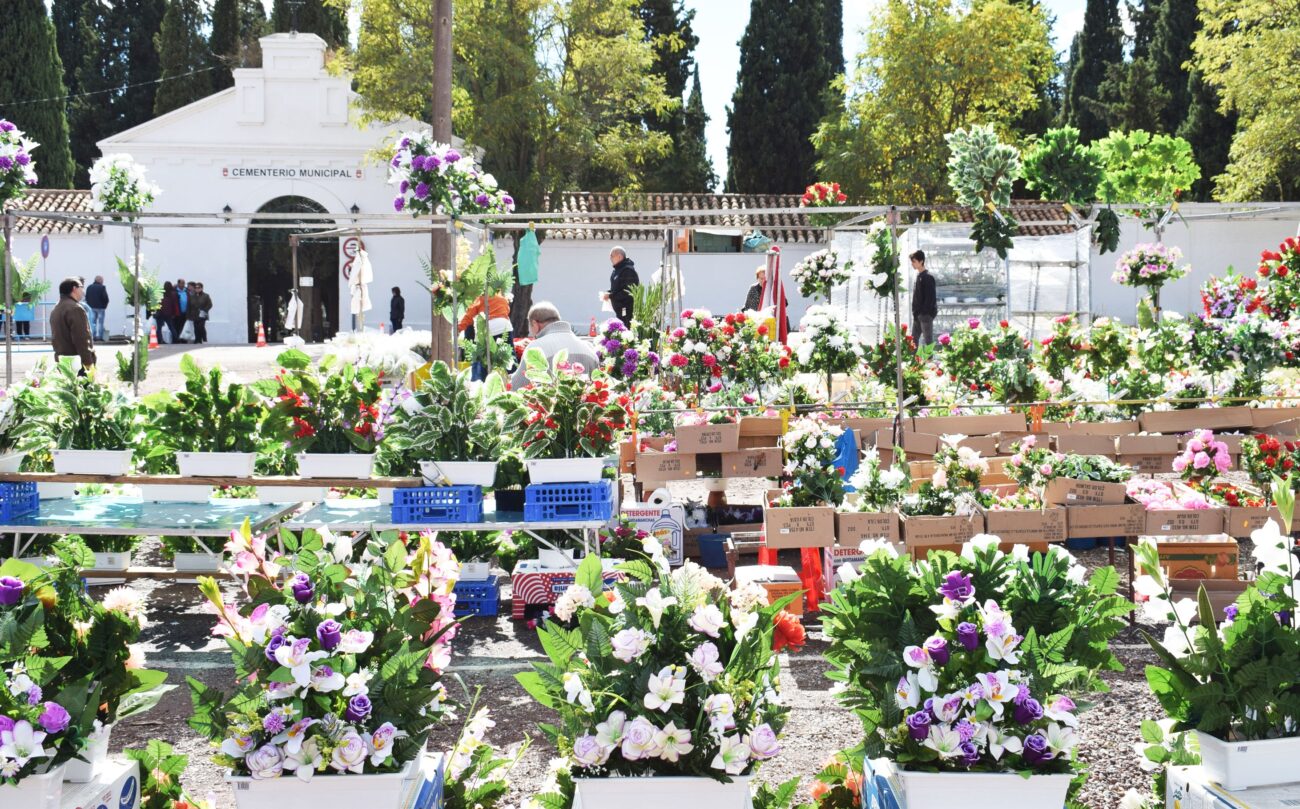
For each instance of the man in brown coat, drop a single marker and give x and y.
(69, 326)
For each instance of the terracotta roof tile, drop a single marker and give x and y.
(1027, 212)
(61, 200)
(715, 209)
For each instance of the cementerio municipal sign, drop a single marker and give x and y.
(291, 173)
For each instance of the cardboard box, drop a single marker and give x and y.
(117, 784)
(761, 425)
(666, 523)
(924, 534)
(1009, 442)
(1032, 527)
(1264, 417)
(708, 438)
(852, 527)
(664, 466)
(754, 442)
(627, 456)
(1099, 522)
(1221, 592)
(970, 425)
(809, 527)
(920, 445)
(1149, 464)
(985, 445)
(835, 558)
(1072, 444)
(865, 427)
(765, 462)
(778, 580)
(1240, 522)
(1184, 522)
(1071, 492)
(1181, 421)
(1147, 445)
(1199, 557)
(1104, 427)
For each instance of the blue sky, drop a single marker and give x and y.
(720, 23)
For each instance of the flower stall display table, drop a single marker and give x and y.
(117, 784)
(533, 584)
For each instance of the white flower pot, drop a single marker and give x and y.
(656, 792)
(550, 558)
(35, 792)
(198, 562)
(112, 560)
(216, 464)
(167, 493)
(323, 791)
(353, 465)
(979, 790)
(95, 753)
(475, 571)
(55, 491)
(459, 473)
(290, 494)
(92, 461)
(1239, 765)
(565, 470)
(10, 463)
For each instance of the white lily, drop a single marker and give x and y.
(655, 604)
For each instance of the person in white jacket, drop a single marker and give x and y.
(552, 335)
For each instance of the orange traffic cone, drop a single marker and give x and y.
(153, 335)
(382, 330)
(261, 336)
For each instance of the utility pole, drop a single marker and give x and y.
(440, 253)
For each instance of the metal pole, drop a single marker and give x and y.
(136, 233)
(293, 262)
(442, 252)
(455, 303)
(898, 318)
(487, 245)
(1006, 271)
(9, 300)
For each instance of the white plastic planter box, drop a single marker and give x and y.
(565, 470)
(168, 493)
(1240, 765)
(336, 465)
(10, 463)
(944, 790)
(112, 560)
(475, 571)
(459, 473)
(92, 461)
(35, 792)
(290, 494)
(561, 559)
(377, 790)
(216, 464)
(54, 491)
(657, 792)
(197, 562)
(76, 771)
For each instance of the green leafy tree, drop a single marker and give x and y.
(780, 97)
(669, 32)
(70, 39)
(184, 55)
(1144, 15)
(1246, 50)
(930, 67)
(1144, 168)
(693, 153)
(320, 18)
(1209, 131)
(1100, 45)
(143, 64)
(31, 71)
(1131, 98)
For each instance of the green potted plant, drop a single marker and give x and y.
(474, 550)
(191, 555)
(210, 426)
(455, 427)
(508, 488)
(87, 427)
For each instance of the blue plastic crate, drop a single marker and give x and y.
(477, 597)
(17, 499)
(438, 504)
(564, 502)
(477, 589)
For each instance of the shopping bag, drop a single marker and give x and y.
(187, 331)
(165, 333)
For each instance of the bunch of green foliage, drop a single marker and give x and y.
(207, 415)
(981, 172)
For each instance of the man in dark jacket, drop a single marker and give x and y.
(925, 302)
(621, 281)
(97, 300)
(200, 311)
(69, 326)
(396, 310)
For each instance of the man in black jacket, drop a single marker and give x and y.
(925, 302)
(621, 281)
(396, 310)
(97, 300)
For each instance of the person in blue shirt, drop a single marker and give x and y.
(183, 302)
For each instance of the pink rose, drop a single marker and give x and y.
(1180, 463)
(974, 323)
(944, 339)
(1200, 460)
(1196, 445)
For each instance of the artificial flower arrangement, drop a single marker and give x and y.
(1158, 495)
(339, 660)
(1280, 268)
(622, 540)
(1107, 348)
(756, 362)
(665, 674)
(69, 411)
(17, 170)
(696, 354)
(820, 273)
(1224, 297)
(477, 776)
(1265, 457)
(822, 194)
(435, 178)
(879, 488)
(655, 409)
(811, 447)
(829, 346)
(1032, 466)
(1203, 459)
(1059, 351)
(117, 183)
(958, 467)
(965, 633)
(1226, 494)
(1149, 265)
(624, 357)
(967, 354)
(883, 278)
(449, 419)
(325, 407)
(563, 414)
(208, 414)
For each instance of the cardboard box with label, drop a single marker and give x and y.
(778, 580)
(659, 467)
(1032, 527)
(1071, 492)
(1115, 428)
(924, 534)
(708, 438)
(971, 425)
(1184, 522)
(1072, 444)
(666, 523)
(1199, 557)
(769, 426)
(985, 445)
(764, 462)
(919, 445)
(1099, 522)
(852, 527)
(807, 527)
(1208, 418)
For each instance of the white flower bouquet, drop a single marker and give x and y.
(436, 178)
(821, 272)
(117, 183)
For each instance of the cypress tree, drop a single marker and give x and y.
(668, 29)
(31, 71)
(253, 25)
(696, 170)
(224, 43)
(142, 22)
(781, 95)
(833, 31)
(68, 37)
(1208, 131)
(1144, 16)
(326, 22)
(1171, 48)
(1131, 98)
(100, 67)
(184, 57)
(1101, 45)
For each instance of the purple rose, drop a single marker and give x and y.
(303, 590)
(358, 709)
(509, 202)
(399, 204)
(330, 634)
(956, 586)
(968, 635)
(1028, 711)
(421, 190)
(1230, 612)
(1035, 750)
(11, 591)
(23, 158)
(5, 126)
(274, 642)
(918, 725)
(404, 186)
(54, 718)
(482, 200)
(938, 649)
(970, 754)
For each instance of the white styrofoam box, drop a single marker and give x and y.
(116, 786)
(1242, 765)
(750, 574)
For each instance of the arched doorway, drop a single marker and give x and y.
(270, 269)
